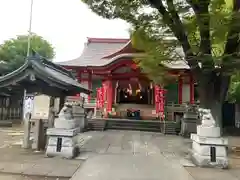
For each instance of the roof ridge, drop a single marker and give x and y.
(107, 40)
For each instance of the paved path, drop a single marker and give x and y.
(115, 155)
(109, 154)
(131, 167)
(125, 155)
(134, 142)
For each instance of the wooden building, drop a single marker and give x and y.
(36, 75)
(107, 67)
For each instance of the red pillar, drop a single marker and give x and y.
(191, 83)
(104, 86)
(161, 103)
(89, 84)
(79, 76)
(156, 97)
(109, 95)
(180, 88)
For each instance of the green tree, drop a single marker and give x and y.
(234, 89)
(207, 31)
(13, 52)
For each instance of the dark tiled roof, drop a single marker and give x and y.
(46, 71)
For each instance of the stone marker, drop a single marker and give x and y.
(189, 121)
(209, 149)
(62, 139)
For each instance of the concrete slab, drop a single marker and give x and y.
(210, 174)
(63, 171)
(16, 167)
(124, 167)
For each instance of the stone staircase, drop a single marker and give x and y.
(136, 125)
(169, 127)
(96, 124)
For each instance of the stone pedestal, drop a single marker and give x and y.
(209, 149)
(62, 138)
(189, 124)
(62, 142)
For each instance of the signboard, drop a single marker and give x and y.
(41, 107)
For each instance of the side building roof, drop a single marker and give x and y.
(39, 74)
(99, 52)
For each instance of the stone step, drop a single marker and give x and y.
(135, 129)
(96, 125)
(137, 125)
(170, 127)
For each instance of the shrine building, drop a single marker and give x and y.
(107, 67)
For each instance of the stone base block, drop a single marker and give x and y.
(66, 141)
(208, 131)
(62, 146)
(65, 124)
(66, 152)
(188, 127)
(209, 140)
(205, 161)
(204, 150)
(63, 132)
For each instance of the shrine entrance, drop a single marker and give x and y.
(133, 92)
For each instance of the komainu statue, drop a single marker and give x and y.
(206, 117)
(66, 112)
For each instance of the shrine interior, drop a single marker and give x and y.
(134, 92)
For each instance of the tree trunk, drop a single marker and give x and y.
(212, 91)
(215, 106)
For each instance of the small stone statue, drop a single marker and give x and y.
(66, 112)
(207, 118)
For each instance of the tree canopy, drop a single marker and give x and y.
(207, 31)
(13, 52)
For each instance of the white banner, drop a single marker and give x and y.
(28, 104)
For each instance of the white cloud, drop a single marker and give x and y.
(64, 23)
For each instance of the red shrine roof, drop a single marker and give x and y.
(99, 52)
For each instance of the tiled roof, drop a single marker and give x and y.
(97, 52)
(43, 72)
(94, 50)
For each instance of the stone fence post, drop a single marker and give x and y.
(80, 117)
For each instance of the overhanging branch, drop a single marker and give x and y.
(232, 44)
(201, 11)
(172, 19)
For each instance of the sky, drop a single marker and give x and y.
(64, 23)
